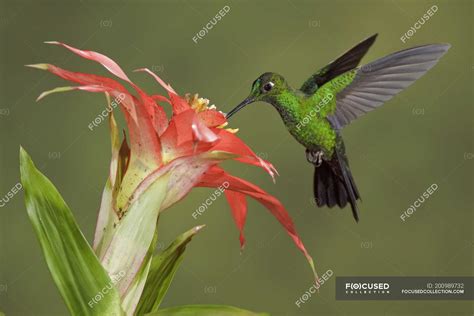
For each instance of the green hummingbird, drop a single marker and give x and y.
(333, 97)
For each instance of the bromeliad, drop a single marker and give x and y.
(161, 162)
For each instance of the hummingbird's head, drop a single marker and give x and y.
(265, 88)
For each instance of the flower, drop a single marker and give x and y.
(163, 160)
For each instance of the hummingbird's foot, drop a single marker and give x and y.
(315, 157)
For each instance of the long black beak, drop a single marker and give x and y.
(239, 107)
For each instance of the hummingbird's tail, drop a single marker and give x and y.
(334, 184)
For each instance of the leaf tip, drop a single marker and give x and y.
(41, 96)
(199, 228)
(25, 162)
(38, 66)
(23, 154)
(55, 90)
(140, 69)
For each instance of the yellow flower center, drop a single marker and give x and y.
(202, 104)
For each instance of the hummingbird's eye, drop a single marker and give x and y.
(268, 86)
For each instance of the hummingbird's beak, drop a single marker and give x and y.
(239, 107)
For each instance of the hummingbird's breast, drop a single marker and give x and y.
(305, 118)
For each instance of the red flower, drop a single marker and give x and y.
(187, 148)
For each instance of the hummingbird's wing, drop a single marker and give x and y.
(378, 81)
(347, 61)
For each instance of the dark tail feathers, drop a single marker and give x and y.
(334, 184)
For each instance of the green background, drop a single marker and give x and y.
(422, 136)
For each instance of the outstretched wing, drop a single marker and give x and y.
(347, 61)
(378, 81)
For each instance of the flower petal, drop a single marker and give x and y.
(231, 143)
(140, 116)
(186, 135)
(212, 118)
(105, 61)
(160, 120)
(201, 132)
(160, 98)
(158, 79)
(179, 104)
(138, 137)
(183, 174)
(144, 110)
(238, 205)
(82, 78)
(179, 131)
(216, 176)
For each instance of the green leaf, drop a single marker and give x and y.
(106, 221)
(107, 218)
(78, 274)
(134, 292)
(163, 268)
(134, 233)
(205, 310)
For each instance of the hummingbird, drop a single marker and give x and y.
(333, 97)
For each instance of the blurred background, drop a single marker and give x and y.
(423, 136)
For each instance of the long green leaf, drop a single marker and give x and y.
(134, 292)
(205, 310)
(163, 268)
(78, 274)
(134, 234)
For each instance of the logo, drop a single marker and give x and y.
(367, 288)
